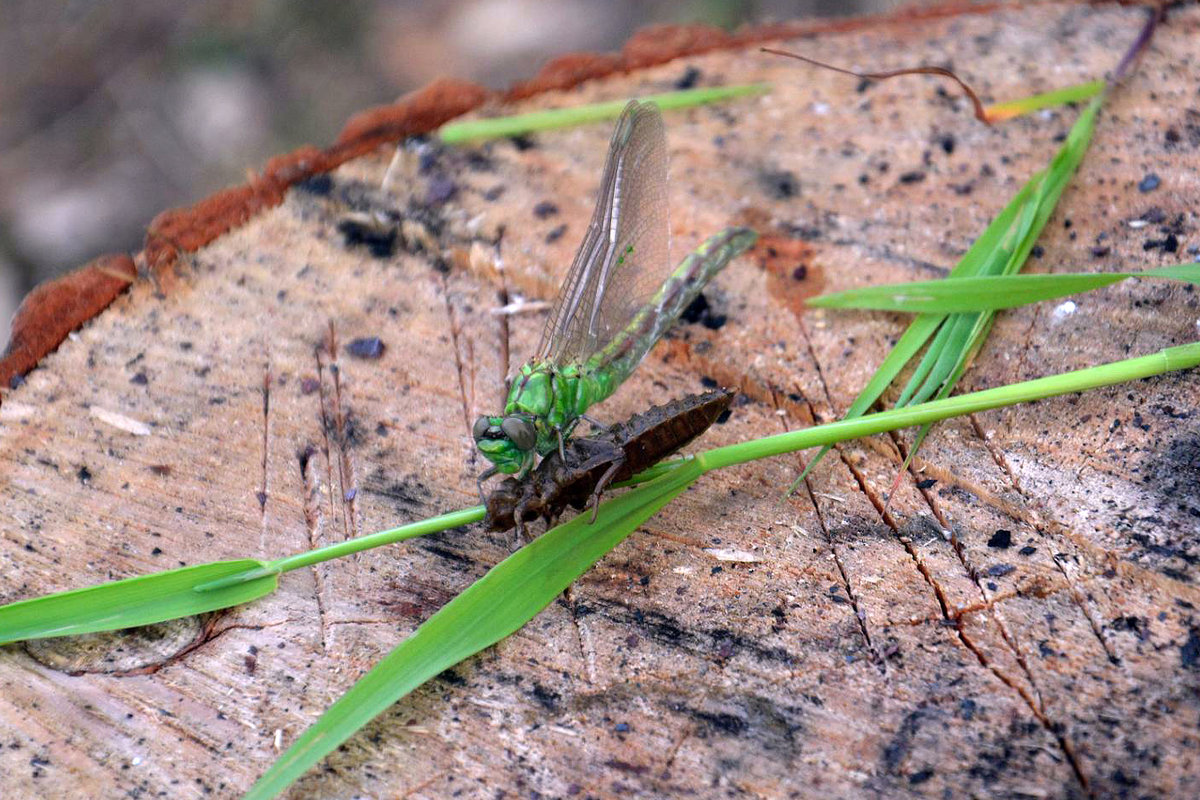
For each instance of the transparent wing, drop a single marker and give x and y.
(623, 258)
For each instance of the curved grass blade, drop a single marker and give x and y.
(990, 293)
(497, 604)
(521, 124)
(128, 603)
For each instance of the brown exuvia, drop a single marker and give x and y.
(592, 464)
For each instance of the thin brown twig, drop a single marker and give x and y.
(980, 112)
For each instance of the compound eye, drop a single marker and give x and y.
(520, 432)
(480, 428)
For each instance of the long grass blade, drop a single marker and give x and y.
(147, 599)
(128, 603)
(535, 121)
(499, 603)
(990, 293)
(1130, 369)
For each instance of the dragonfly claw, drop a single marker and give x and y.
(596, 424)
(602, 484)
(483, 476)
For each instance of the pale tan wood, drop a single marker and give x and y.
(864, 654)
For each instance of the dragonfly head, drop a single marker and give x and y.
(508, 442)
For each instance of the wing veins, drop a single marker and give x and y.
(591, 307)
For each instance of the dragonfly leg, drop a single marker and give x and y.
(487, 473)
(526, 464)
(519, 518)
(595, 423)
(602, 484)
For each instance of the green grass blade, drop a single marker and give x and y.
(990, 293)
(131, 602)
(925, 365)
(497, 604)
(1129, 369)
(424, 527)
(962, 328)
(997, 112)
(965, 357)
(1001, 249)
(987, 250)
(907, 346)
(167, 595)
(533, 122)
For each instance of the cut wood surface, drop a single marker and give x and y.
(1020, 621)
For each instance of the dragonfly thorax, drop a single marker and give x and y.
(543, 406)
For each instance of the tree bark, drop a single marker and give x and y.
(1019, 620)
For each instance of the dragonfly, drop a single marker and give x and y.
(592, 464)
(618, 299)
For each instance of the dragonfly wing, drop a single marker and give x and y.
(623, 258)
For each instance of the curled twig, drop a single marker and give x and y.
(980, 111)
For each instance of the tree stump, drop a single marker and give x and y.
(1019, 620)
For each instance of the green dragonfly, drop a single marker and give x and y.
(618, 299)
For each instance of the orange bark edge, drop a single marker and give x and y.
(53, 309)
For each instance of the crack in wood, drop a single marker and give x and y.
(1036, 708)
(422, 786)
(1035, 521)
(971, 570)
(264, 486)
(325, 414)
(860, 615)
(503, 298)
(391, 622)
(673, 753)
(1052, 728)
(1029, 340)
(586, 654)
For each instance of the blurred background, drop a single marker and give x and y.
(113, 110)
